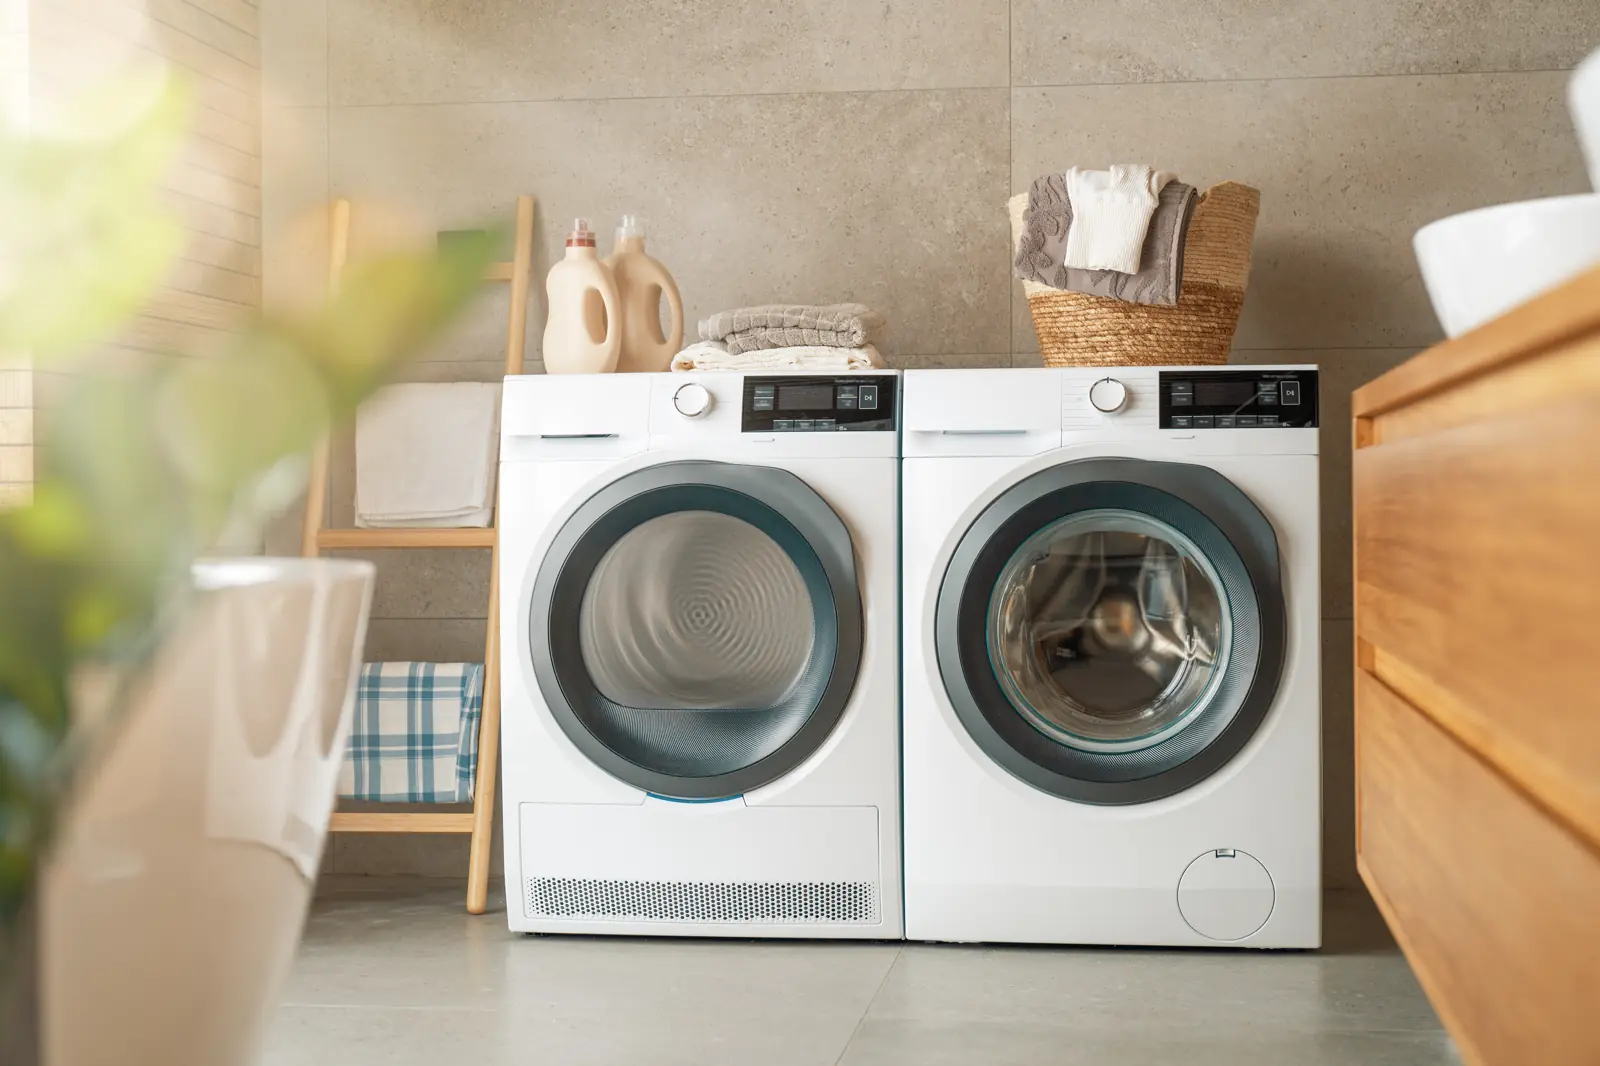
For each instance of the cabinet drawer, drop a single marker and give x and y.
(1477, 517)
(1496, 904)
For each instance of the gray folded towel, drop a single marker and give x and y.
(1041, 253)
(749, 329)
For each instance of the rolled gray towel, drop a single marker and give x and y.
(749, 329)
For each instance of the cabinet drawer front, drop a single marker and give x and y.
(1478, 573)
(1496, 905)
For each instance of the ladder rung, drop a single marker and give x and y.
(499, 272)
(417, 822)
(406, 538)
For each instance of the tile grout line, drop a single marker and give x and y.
(899, 953)
(327, 118)
(424, 1008)
(1298, 77)
(1011, 168)
(419, 617)
(669, 97)
(865, 91)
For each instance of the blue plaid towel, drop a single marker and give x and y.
(415, 737)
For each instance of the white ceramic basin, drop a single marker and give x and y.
(178, 886)
(1480, 264)
(1583, 97)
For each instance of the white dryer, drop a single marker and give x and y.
(699, 609)
(1112, 710)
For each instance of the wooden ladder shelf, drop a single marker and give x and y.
(316, 538)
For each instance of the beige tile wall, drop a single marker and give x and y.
(16, 432)
(213, 186)
(16, 375)
(51, 52)
(833, 149)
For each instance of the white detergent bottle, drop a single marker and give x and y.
(642, 283)
(583, 334)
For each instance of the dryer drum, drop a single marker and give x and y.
(1112, 630)
(696, 609)
(696, 627)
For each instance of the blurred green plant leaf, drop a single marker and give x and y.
(146, 468)
(82, 247)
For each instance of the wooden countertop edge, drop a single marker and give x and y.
(1561, 314)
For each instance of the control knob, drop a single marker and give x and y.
(1108, 396)
(692, 400)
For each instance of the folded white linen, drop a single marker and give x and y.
(1111, 212)
(425, 455)
(714, 355)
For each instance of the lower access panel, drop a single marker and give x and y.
(712, 863)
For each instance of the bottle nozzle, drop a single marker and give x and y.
(582, 236)
(632, 226)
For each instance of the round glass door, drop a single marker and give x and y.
(1108, 630)
(1112, 630)
(695, 627)
(696, 610)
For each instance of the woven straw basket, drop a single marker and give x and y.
(1079, 330)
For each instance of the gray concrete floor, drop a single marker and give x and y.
(394, 972)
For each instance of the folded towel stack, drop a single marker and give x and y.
(714, 355)
(1117, 234)
(751, 329)
(836, 337)
(426, 454)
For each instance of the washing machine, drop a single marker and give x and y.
(1112, 711)
(699, 612)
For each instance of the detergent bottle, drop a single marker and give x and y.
(642, 283)
(583, 334)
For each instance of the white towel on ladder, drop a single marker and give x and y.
(425, 455)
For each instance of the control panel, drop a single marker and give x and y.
(817, 403)
(1238, 398)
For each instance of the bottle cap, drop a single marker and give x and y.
(581, 236)
(632, 226)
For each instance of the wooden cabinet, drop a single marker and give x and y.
(1477, 583)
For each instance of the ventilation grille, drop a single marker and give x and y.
(752, 902)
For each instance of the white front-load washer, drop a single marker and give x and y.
(1112, 710)
(699, 610)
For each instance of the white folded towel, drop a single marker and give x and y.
(714, 355)
(1111, 211)
(425, 456)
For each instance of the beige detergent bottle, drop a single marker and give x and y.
(642, 282)
(583, 334)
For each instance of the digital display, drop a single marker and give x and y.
(1272, 398)
(1224, 393)
(806, 397)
